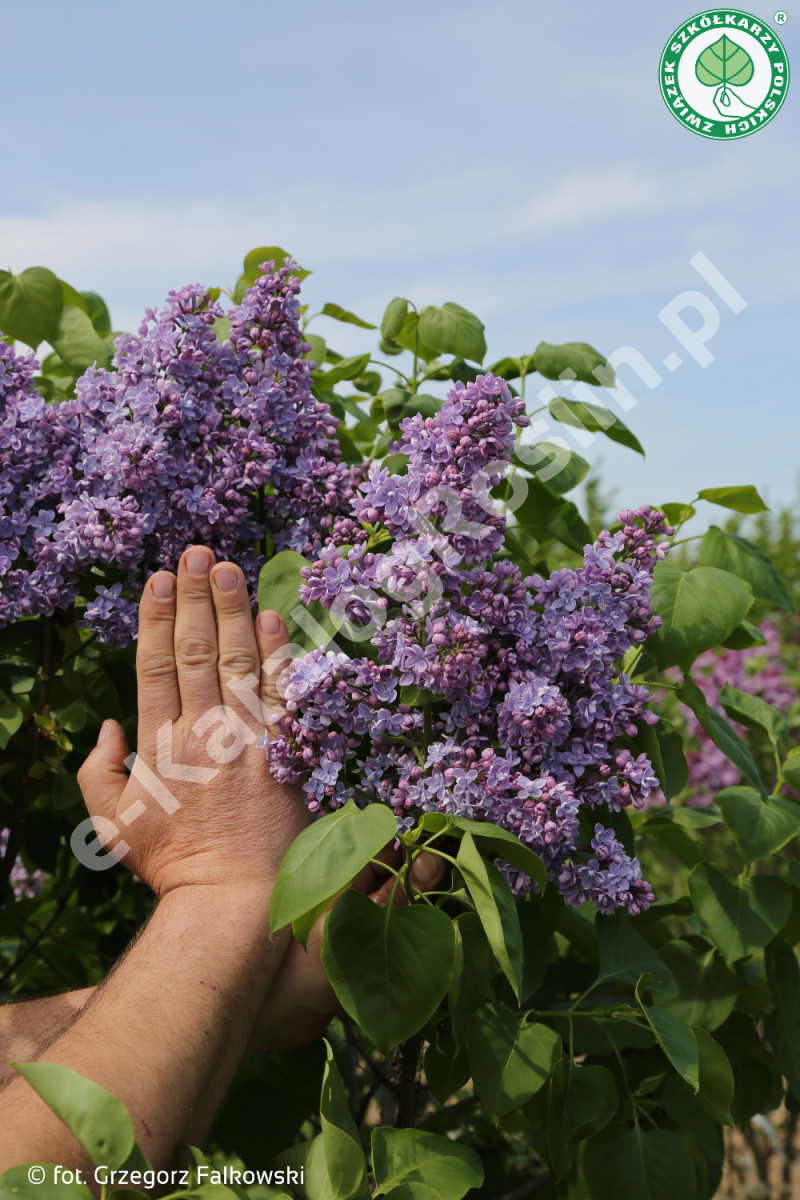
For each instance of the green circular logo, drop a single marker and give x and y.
(724, 74)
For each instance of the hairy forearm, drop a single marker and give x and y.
(165, 1032)
(28, 1026)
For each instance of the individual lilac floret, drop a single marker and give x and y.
(494, 698)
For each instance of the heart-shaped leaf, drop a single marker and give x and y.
(698, 608)
(510, 1059)
(30, 305)
(740, 914)
(761, 827)
(390, 967)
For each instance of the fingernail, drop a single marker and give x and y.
(106, 730)
(198, 562)
(225, 579)
(424, 869)
(269, 623)
(163, 585)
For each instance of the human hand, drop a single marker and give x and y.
(188, 668)
(200, 806)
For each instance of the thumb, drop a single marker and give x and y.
(426, 872)
(103, 777)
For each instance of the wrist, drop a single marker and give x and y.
(229, 925)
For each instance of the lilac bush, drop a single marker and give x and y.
(759, 671)
(485, 695)
(187, 439)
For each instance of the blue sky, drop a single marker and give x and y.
(516, 158)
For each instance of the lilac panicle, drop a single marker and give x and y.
(186, 439)
(526, 705)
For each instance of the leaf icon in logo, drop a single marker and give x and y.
(724, 64)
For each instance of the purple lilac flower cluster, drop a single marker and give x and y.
(26, 885)
(171, 446)
(485, 695)
(759, 671)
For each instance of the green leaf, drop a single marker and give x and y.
(77, 342)
(559, 469)
(758, 1084)
(390, 967)
(222, 328)
(510, 1059)
(399, 403)
(706, 988)
(535, 947)
(325, 859)
(10, 721)
(262, 254)
(638, 1164)
(687, 849)
(318, 349)
(446, 1065)
(394, 318)
(70, 296)
(410, 338)
(346, 368)
(676, 768)
(16, 1184)
(740, 914)
(451, 329)
(755, 713)
(502, 842)
(725, 61)
(716, 1077)
(594, 418)
(581, 1101)
(309, 625)
(741, 499)
(761, 827)
(783, 977)
(410, 1164)
(344, 1157)
(744, 636)
(791, 768)
(581, 360)
(370, 382)
(469, 987)
(674, 1037)
(98, 313)
(676, 514)
(546, 516)
(690, 818)
(785, 1045)
(495, 906)
(698, 608)
(749, 562)
(30, 305)
(513, 368)
(397, 464)
(97, 1119)
(721, 733)
(350, 451)
(341, 314)
(626, 955)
